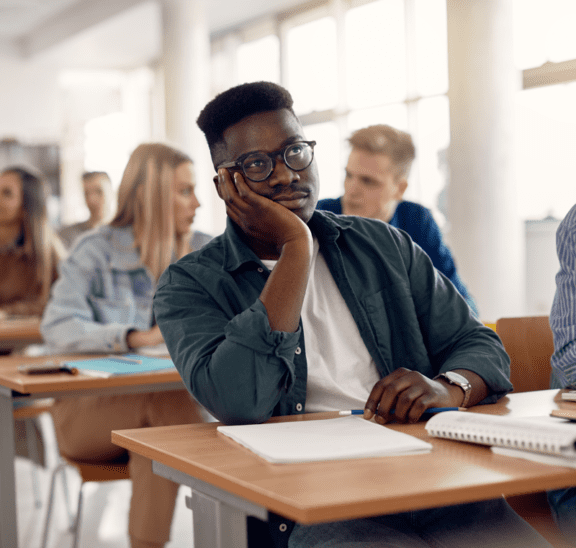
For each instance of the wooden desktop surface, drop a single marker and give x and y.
(16, 386)
(55, 383)
(453, 472)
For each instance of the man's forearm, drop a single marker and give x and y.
(284, 291)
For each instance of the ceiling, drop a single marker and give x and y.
(99, 33)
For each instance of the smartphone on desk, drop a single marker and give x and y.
(46, 368)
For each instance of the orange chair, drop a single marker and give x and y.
(530, 345)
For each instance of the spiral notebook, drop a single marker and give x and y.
(320, 440)
(540, 435)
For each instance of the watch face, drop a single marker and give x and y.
(456, 377)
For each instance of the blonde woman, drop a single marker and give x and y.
(29, 249)
(102, 302)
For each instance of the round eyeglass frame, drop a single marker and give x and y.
(239, 162)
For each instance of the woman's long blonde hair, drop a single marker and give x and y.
(41, 246)
(145, 203)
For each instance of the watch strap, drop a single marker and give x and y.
(464, 384)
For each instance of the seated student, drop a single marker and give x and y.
(102, 302)
(294, 310)
(98, 196)
(563, 324)
(29, 255)
(29, 249)
(376, 179)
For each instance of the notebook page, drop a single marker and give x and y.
(554, 460)
(317, 440)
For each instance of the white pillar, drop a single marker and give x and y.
(486, 233)
(185, 73)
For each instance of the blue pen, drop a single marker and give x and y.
(429, 411)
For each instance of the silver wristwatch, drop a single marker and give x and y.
(459, 380)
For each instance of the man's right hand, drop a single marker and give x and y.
(260, 218)
(273, 232)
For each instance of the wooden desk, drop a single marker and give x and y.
(19, 332)
(15, 386)
(229, 482)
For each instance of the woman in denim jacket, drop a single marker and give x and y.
(102, 302)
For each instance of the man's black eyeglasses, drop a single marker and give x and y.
(258, 166)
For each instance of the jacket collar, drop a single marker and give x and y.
(324, 225)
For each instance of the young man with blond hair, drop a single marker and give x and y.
(376, 180)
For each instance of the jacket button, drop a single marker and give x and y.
(298, 407)
(298, 351)
(260, 269)
(283, 527)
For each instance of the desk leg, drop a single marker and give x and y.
(217, 524)
(219, 517)
(8, 528)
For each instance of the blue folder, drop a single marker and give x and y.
(112, 365)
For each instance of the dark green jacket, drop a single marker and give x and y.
(408, 314)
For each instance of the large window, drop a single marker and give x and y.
(545, 50)
(349, 64)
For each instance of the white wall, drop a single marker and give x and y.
(29, 100)
(542, 265)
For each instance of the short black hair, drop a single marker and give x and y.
(234, 104)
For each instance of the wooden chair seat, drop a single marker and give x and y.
(100, 471)
(33, 409)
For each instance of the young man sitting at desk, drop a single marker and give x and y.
(293, 310)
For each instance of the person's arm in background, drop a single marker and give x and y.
(563, 312)
(83, 314)
(423, 229)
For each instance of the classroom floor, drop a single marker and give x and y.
(105, 512)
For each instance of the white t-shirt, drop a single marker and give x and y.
(341, 372)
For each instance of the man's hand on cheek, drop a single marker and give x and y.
(258, 216)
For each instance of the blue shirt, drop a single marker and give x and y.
(217, 331)
(563, 313)
(418, 222)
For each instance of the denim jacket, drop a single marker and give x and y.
(103, 290)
